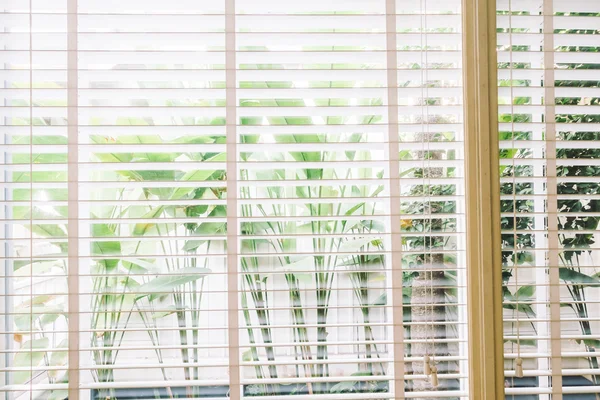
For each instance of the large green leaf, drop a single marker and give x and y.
(204, 229)
(28, 358)
(141, 228)
(192, 245)
(197, 176)
(49, 230)
(343, 387)
(41, 299)
(167, 283)
(354, 245)
(138, 266)
(525, 292)
(595, 343)
(27, 315)
(36, 268)
(576, 277)
(354, 208)
(105, 248)
(381, 300)
(60, 357)
(301, 265)
(101, 248)
(167, 311)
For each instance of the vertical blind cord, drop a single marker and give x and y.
(515, 250)
(31, 339)
(430, 238)
(423, 66)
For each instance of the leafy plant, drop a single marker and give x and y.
(576, 206)
(181, 274)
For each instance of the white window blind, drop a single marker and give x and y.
(549, 129)
(233, 198)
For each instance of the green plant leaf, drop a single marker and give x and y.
(168, 311)
(27, 358)
(27, 315)
(381, 300)
(525, 292)
(36, 268)
(523, 342)
(49, 230)
(192, 245)
(571, 275)
(145, 265)
(247, 356)
(362, 373)
(105, 248)
(41, 299)
(141, 228)
(595, 343)
(304, 278)
(343, 387)
(522, 307)
(162, 285)
(352, 246)
(302, 265)
(204, 229)
(353, 209)
(59, 357)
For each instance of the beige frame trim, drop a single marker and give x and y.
(553, 261)
(233, 333)
(394, 182)
(73, 199)
(484, 273)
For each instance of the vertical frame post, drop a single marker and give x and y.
(551, 200)
(484, 272)
(232, 203)
(395, 260)
(73, 200)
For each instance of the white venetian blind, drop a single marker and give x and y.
(232, 199)
(34, 327)
(549, 76)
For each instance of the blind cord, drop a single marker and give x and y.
(31, 340)
(426, 358)
(429, 238)
(518, 360)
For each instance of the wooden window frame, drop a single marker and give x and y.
(484, 274)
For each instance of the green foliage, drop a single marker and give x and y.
(576, 206)
(31, 355)
(167, 283)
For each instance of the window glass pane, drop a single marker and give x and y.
(193, 186)
(548, 88)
